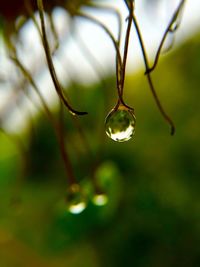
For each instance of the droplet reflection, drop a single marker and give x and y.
(100, 199)
(77, 208)
(120, 124)
(76, 202)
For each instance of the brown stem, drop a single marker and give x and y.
(89, 56)
(32, 82)
(55, 34)
(158, 103)
(111, 10)
(115, 43)
(123, 69)
(50, 62)
(168, 29)
(99, 23)
(58, 129)
(65, 156)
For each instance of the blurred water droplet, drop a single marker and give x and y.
(120, 124)
(174, 26)
(169, 42)
(76, 201)
(177, 20)
(100, 199)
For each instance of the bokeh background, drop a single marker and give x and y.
(152, 217)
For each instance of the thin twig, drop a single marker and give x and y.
(55, 34)
(99, 23)
(57, 128)
(114, 41)
(32, 82)
(167, 31)
(160, 107)
(50, 62)
(64, 153)
(113, 10)
(123, 69)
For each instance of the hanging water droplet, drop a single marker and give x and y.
(177, 19)
(100, 199)
(120, 124)
(173, 28)
(76, 202)
(169, 41)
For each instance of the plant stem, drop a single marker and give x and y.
(50, 62)
(151, 85)
(168, 29)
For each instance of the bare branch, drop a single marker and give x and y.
(50, 62)
(168, 30)
(151, 85)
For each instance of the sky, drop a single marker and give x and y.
(70, 60)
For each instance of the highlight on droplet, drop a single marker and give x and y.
(100, 199)
(120, 124)
(77, 208)
(76, 200)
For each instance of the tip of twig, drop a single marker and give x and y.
(83, 113)
(79, 113)
(173, 130)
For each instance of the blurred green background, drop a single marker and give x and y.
(152, 218)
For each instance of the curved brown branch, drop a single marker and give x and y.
(57, 127)
(110, 10)
(167, 31)
(115, 43)
(50, 62)
(151, 85)
(123, 68)
(119, 20)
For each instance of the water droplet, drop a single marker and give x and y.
(177, 19)
(100, 199)
(120, 124)
(76, 201)
(172, 30)
(169, 41)
(174, 26)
